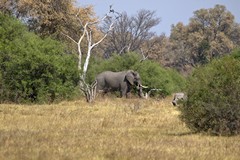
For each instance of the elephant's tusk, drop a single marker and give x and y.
(143, 86)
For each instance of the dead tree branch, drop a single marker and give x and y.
(149, 92)
(89, 90)
(144, 57)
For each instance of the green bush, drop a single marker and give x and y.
(236, 54)
(155, 76)
(213, 104)
(152, 74)
(33, 69)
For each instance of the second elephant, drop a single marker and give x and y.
(119, 81)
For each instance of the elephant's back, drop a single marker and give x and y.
(110, 79)
(108, 74)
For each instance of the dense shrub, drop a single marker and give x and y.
(155, 76)
(236, 54)
(152, 74)
(213, 104)
(33, 69)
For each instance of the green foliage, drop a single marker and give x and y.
(152, 74)
(211, 33)
(155, 76)
(236, 54)
(213, 98)
(33, 69)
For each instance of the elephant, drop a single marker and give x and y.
(178, 96)
(119, 81)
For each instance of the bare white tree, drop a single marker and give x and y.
(90, 89)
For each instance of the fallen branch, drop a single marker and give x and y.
(149, 92)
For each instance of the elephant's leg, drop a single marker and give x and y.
(128, 93)
(102, 92)
(140, 93)
(123, 92)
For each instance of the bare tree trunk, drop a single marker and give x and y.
(89, 90)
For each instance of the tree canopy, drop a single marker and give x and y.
(33, 69)
(48, 18)
(210, 33)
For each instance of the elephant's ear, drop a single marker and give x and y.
(130, 78)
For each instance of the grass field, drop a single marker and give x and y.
(106, 129)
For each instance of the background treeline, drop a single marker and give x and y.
(38, 62)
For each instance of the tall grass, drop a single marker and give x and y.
(107, 129)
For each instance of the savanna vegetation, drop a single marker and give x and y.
(106, 129)
(38, 70)
(213, 105)
(43, 114)
(33, 69)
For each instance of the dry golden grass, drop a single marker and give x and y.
(107, 129)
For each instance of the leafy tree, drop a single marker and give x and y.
(48, 18)
(213, 98)
(33, 69)
(52, 18)
(156, 49)
(179, 51)
(211, 33)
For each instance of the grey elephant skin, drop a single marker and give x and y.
(177, 97)
(119, 81)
